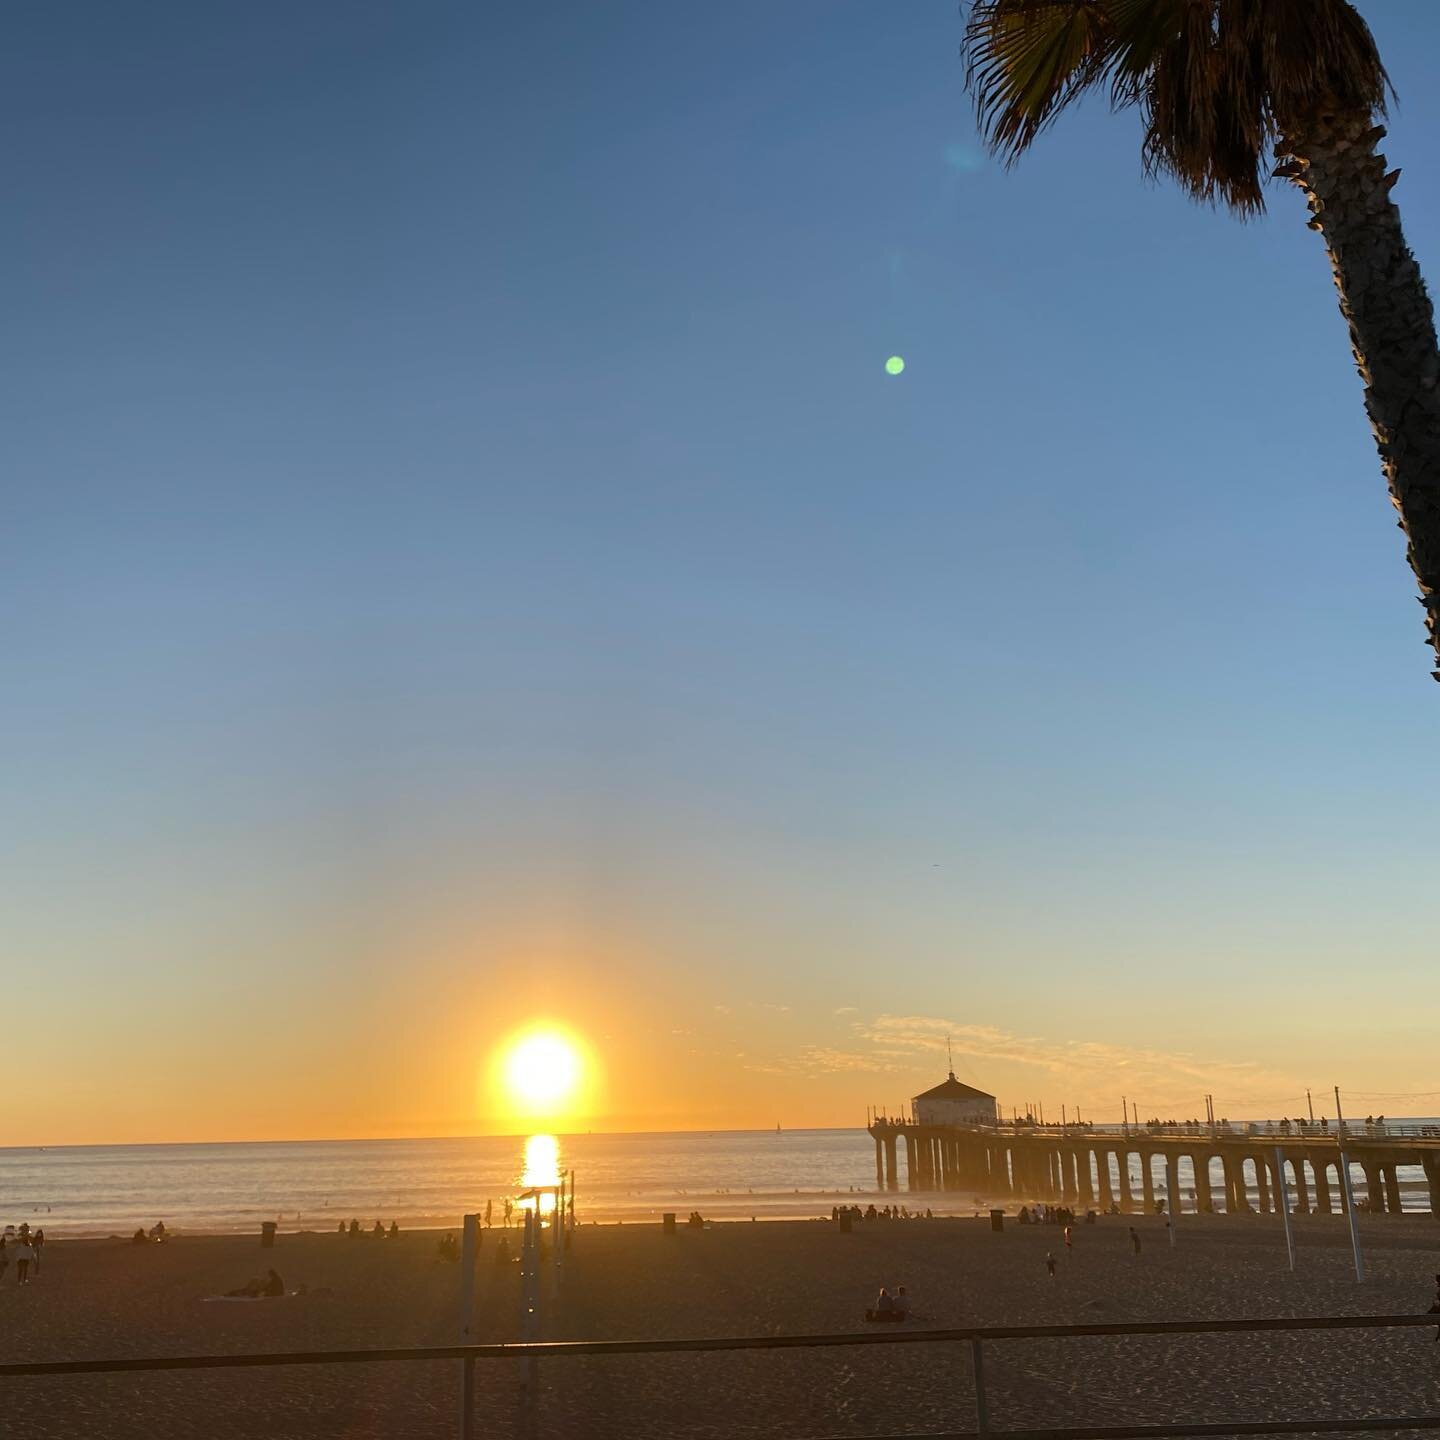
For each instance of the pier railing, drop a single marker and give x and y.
(975, 1338)
(1269, 1130)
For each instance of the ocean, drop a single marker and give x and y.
(85, 1190)
(88, 1190)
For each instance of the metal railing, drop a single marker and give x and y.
(1268, 1130)
(975, 1338)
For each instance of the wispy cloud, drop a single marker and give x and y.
(1083, 1065)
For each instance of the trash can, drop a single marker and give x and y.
(846, 1221)
(997, 1219)
(667, 1221)
(267, 1234)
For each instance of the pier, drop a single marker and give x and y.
(1089, 1166)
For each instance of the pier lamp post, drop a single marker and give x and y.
(1347, 1191)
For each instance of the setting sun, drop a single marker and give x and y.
(541, 1072)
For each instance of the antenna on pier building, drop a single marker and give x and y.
(949, 1058)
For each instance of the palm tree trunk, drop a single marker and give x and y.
(1392, 326)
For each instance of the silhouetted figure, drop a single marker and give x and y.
(902, 1303)
(138, 1238)
(37, 1244)
(378, 1231)
(1050, 1264)
(488, 1207)
(274, 1285)
(354, 1228)
(343, 1227)
(1134, 1239)
(394, 1231)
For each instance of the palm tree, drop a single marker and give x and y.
(1216, 83)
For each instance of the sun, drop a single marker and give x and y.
(541, 1072)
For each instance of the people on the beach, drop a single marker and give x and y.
(354, 1228)
(378, 1231)
(37, 1244)
(902, 1303)
(1069, 1238)
(1135, 1239)
(1050, 1263)
(884, 1302)
(394, 1230)
(24, 1257)
(270, 1287)
(489, 1205)
(5, 1257)
(158, 1231)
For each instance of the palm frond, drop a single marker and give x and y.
(1215, 80)
(1026, 60)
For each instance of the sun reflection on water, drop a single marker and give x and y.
(542, 1167)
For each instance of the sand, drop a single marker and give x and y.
(108, 1299)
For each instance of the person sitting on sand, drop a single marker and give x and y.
(274, 1286)
(394, 1230)
(902, 1303)
(884, 1302)
(378, 1230)
(354, 1227)
(157, 1230)
(138, 1238)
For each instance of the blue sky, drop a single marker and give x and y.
(463, 558)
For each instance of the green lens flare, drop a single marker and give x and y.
(894, 365)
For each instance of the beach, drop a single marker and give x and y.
(107, 1298)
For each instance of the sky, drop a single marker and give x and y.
(464, 565)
